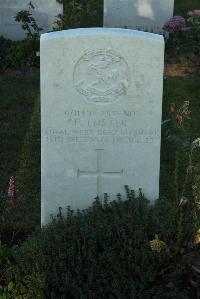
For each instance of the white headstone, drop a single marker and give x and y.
(101, 102)
(44, 13)
(144, 15)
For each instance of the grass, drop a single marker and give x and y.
(176, 90)
(28, 174)
(17, 100)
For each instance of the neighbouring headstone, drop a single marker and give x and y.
(101, 102)
(144, 15)
(44, 12)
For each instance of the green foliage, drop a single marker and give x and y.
(28, 48)
(21, 54)
(18, 54)
(177, 128)
(29, 24)
(18, 100)
(4, 45)
(104, 252)
(17, 222)
(11, 285)
(79, 14)
(176, 139)
(19, 105)
(184, 44)
(28, 174)
(6, 266)
(181, 7)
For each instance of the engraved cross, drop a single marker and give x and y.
(99, 173)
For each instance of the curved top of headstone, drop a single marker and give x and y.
(102, 31)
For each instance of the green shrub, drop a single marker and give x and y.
(18, 54)
(6, 264)
(17, 221)
(183, 38)
(80, 13)
(18, 95)
(21, 54)
(182, 6)
(105, 252)
(4, 44)
(28, 23)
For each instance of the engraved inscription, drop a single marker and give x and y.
(101, 76)
(101, 127)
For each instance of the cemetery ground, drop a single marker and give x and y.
(120, 248)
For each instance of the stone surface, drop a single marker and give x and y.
(145, 15)
(44, 13)
(101, 102)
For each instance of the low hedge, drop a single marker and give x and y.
(20, 55)
(105, 252)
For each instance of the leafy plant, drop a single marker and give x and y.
(4, 45)
(183, 37)
(108, 251)
(79, 13)
(29, 24)
(17, 221)
(6, 264)
(22, 54)
(177, 130)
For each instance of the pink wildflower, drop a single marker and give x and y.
(12, 191)
(176, 23)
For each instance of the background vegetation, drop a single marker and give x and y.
(181, 7)
(18, 97)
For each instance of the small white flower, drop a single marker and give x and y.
(183, 201)
(196, 142)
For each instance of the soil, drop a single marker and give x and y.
(181, 70)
